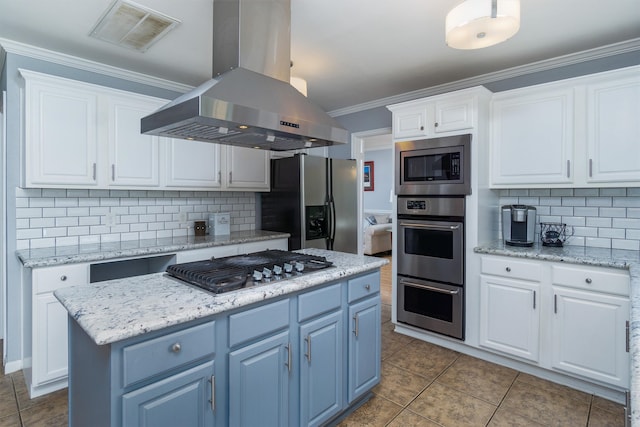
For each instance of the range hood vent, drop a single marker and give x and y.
(250, 102)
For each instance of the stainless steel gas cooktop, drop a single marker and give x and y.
(220, 275)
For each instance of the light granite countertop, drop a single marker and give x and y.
(614, 258)
(118, 309)
(46, 257)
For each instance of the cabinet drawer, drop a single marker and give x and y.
(607, 280)
(258, 322)
(513, 268)
(361, 287)
(167, 352)
(48, 279)
(321, 301)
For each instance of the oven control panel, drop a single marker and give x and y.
(431, 206)
(413, 205)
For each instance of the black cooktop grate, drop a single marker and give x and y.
(219, 275)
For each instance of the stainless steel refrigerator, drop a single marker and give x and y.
(315, 200)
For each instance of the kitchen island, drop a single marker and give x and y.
(593, 257)
(145, 350)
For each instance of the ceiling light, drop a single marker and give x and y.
(130, 25)
(475, 24)
(300, 84)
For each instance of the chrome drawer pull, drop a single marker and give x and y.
(63, 278)
(588, 280)
(508, 269)
(176, 347)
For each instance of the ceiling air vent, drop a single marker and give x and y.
(130, 25)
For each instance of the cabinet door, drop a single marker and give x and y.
(180, 400)
(61, 138)
(532, 138)
(589, 335)
(613, 132)
(259, 383)
(193, 164)
(50, 358)
(133, 157)
(454, 114)
(510, 316)
(364, 347)
(410, 122)
(247, 168)
(321, 369)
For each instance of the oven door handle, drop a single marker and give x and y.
(433, 227)
(430, 288)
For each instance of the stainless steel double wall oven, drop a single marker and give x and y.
(432, 180)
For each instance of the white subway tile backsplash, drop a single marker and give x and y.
(42, 243)
(54, 212)
(631, 245)
(41, 222)
(613, 192)
(71, 221)
(24, 222)
(601, 217)
(29, 213)
(613, 212)
(54, 192)
(42, 202)
(29, 233)
(54, 232)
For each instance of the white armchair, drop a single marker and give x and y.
(377, 234)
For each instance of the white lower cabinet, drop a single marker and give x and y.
(49, 366)
(510, 316)
(579, 314)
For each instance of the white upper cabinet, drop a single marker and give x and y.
(532, 137)
(613, 137)
(581, 132)
(61, 133)
(133, 157)
(193, 164)
(426, 117)
(247, 169)
(454, 113)
(410, 122)
(80, 135)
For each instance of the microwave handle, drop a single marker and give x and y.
(432, 227)
(430, 288)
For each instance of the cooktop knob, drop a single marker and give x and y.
(257, 275)
(266, 273)
(277, 270)
(288, 268)
(299, 266)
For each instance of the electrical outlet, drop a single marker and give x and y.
(182, 217)
(110, 219)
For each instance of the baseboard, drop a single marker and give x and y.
(14, 366)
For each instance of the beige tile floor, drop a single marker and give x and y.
(422, 385)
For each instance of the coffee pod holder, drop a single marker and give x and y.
(555, 234)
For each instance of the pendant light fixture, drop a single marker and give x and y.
(475, 24)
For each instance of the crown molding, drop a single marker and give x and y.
(59, 58)
(632, 45)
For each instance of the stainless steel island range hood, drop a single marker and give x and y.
(249, 102)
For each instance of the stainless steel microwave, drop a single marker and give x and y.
(437, 166)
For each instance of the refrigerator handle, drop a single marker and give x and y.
(333, 221)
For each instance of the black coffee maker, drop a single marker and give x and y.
(518, 225)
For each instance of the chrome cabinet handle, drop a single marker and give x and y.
(94, 171)
(230, 180)
(534, 300)
(590, 168)
(308, 353)
(432, 227)
(355, 321)
(588, 280)
(219, 177)
(508, 269)
(63, 278)
(435, 124)
(421, 127)
(555, 304)
(212, 381)
(176, 347)
(113, 172)
(568, 168)
(289, 356)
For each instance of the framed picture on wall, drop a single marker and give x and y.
(368, 176)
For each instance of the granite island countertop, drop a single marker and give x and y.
(598, 257)
(114, 310)
(46, 257)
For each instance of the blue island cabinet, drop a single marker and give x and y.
(303, 359)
